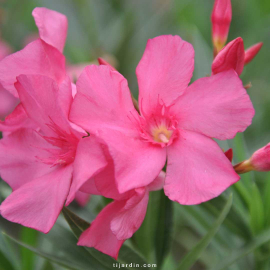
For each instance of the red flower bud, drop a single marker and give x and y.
(232, 56)
(221, 20)
(251, 52)
(229, 154)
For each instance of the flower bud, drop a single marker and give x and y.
(259, 161)
(251, 52)
(232, 56)
(229, 154)
(221, 20)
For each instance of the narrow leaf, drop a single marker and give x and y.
(60, 261)
(237, 254)
(163, 228)
(126, 254)
(195, 253)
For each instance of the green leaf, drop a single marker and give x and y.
(28, 236)
(256, 210)
(237, 254)
(78, 225)
(195, 253)
(163, 228)
(63, 261)
(126, 254)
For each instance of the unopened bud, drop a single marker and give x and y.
(221, 20)
(232, 56)
(251, 52)
(229, 154)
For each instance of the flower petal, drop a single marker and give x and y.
(7, 103)
(164, 71)
(129, 219)
(103, 100)
(232, 56)
(82, 198)
(36, 58)
(197, 169)
(40, 98)
(38, 203)
(16, 120)
(99, 235)
(52, 26)
(18, 157)
(217, 106)
(89, 161)
(137, 163)
(158, 183)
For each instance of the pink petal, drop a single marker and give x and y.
(88, 162)
(129, 219)
(18, 157)
(40, 98)
(82, 198)
(36, 58)
(65, 95)
(137, 163)
(7, 103)
(103, 100)
(52, 27)
(90, 187)
(99, 235)
(251, 52)
(164, 71)
(38, 203)
(232, 56)
(16, 120)
(197, 169)
(158, 183)
(217, 106)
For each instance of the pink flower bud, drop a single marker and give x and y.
(232, 56)
(260, 160)
(221, 20)
(251, 52)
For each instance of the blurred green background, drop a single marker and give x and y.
(121, 28)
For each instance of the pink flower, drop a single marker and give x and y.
(42, 57)
(221, 20)
(177, 121)
(120, 219)
(252, 52)
(45, 168)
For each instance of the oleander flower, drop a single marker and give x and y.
(41, 57)
(176, 122)
(45, 168)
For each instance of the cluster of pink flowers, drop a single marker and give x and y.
(64, 138)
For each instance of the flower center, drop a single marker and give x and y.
(63, 148)
(159, 127)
